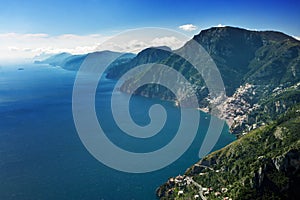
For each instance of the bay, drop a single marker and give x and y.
(42, 157)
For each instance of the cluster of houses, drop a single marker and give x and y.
(207, 191)
(235, 109)
(183, 181)
(281, 88)
(180, 181)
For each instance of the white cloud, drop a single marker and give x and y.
(136, 40)
(23, 36)
(297, 38)
(220, 25)
(171, 42)
(16, 46)
(135, 46)
(188, 27)
(20, 47)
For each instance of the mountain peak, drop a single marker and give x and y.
(237, 31)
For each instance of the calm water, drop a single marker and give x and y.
(42, 157)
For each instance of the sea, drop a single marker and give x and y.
(42, 156)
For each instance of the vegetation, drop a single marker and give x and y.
(264, 164)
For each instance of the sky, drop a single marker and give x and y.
(36, 27)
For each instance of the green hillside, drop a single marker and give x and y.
(264, 164)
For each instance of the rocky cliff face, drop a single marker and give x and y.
(288, 163)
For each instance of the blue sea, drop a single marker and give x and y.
(42, 157)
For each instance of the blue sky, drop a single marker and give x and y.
(34, 27)
(105, 16)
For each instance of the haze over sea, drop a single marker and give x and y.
(42, 157)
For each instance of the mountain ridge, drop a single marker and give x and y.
(73, 62)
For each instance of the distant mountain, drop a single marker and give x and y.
(149, 55)
(73, 62)
(55, 60)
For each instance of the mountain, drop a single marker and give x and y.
(244, 56)
(252, 64)
(55, 60)
(73, 62)
(148, 55)
(255, 57)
